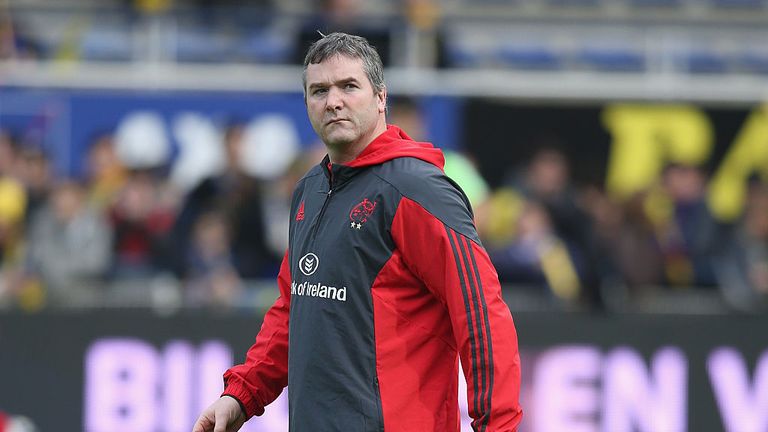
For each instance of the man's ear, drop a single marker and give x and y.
(382, 96)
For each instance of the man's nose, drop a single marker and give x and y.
(335, 99)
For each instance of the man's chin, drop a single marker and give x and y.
(339, 140)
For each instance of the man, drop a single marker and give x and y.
(384, 286)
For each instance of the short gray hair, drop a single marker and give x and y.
(351, 46)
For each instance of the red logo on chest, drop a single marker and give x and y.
(361, 212)
(300, 213)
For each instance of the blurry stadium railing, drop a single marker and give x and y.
(553, 85)
(541, 49)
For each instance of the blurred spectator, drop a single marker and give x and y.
(104, 170)
(239, 197)
(13, 203)
(463, 171)
(684, 226)
(406, 113)
(15, 42)
(742, 262)
(141, 223)
(34, 171)
(12, 209)
(69, 247)
(546, 180)
(343, 16)
(626, 250)
(212, 279)
(500, 228)
(537, 257)
(8, 151)
(425, 17)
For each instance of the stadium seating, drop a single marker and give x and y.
(536, 57)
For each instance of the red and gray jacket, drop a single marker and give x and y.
(384, 287)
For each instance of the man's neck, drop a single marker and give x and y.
(346, 154)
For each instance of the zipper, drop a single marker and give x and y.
(320, 215)
(380, 411)
(325, 205)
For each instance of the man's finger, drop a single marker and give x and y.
(221, 424)
(203, 424)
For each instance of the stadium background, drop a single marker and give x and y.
(616, 153)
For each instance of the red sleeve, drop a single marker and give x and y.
(262, 377)
(457, 270)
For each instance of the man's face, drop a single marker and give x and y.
(341, 103)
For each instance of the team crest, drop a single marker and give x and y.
(360, 213)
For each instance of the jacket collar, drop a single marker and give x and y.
(391, 144)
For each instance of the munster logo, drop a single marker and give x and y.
(308, 263)
(360, 213)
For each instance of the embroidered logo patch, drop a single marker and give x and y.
(308, 264)
(300, 213)
(360, 213)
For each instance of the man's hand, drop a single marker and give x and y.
(224, 415)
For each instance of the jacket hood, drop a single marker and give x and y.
(394, 143)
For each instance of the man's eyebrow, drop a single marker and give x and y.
(326, 84)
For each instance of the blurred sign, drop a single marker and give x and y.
(133, 371)
(66, 122)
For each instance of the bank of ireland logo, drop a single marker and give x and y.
(360, 213)
(308, 264)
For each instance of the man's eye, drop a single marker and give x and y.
(350, 86)
(319, 91)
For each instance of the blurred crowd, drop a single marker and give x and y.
(123, 234)
(586, 246)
